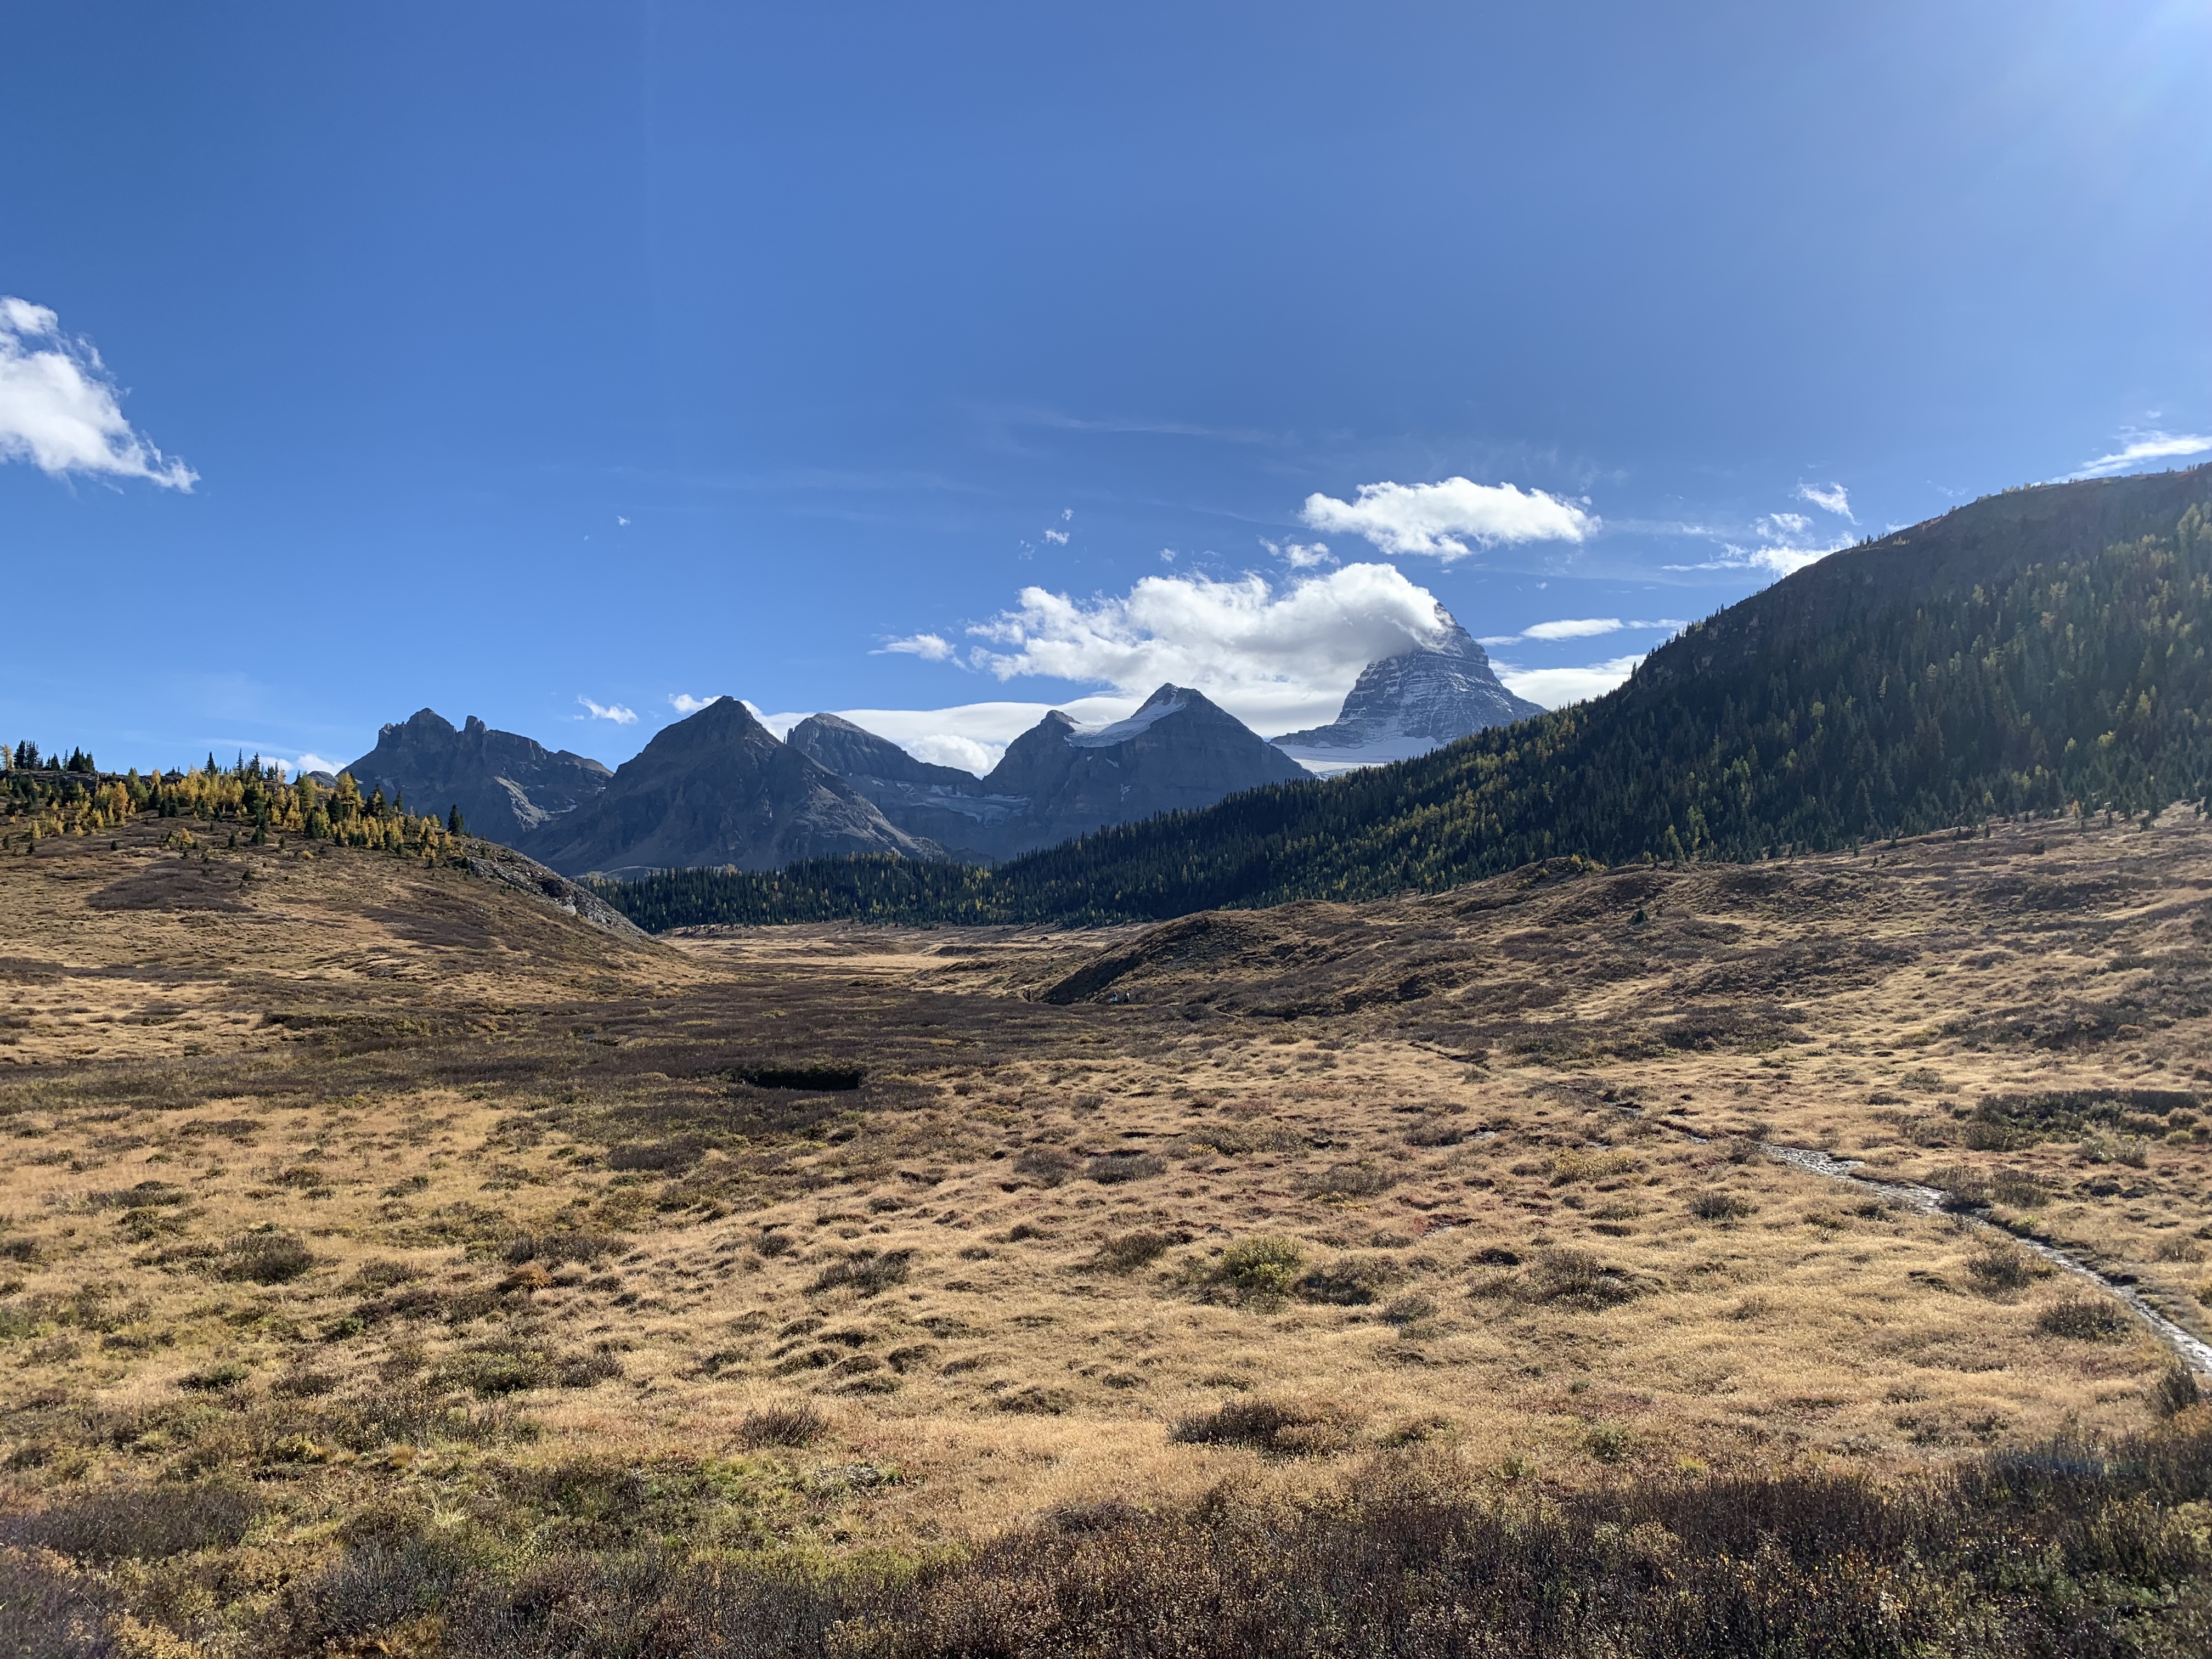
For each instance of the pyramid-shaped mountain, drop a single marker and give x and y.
(1408, 704)
(505, 785)
(718, 789)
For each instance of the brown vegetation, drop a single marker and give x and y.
(400, 1230)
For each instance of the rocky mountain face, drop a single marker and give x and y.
(1408, 704)
(1055, 781)
(718, 789)
(505, 785)
(953, 808)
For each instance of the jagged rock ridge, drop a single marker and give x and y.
(1408, 704)
(1180, 751)
(953, 808)
(505, 784)
(718, 789)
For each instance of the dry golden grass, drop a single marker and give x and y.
(585, 1206)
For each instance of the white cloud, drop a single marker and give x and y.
(1441, 520)
(1057, 537)
(1555, 688)
(613, 711)
(1573, 628)
(1786, 544)
(312, 762)
(971, 736)
(1305, 556)
(2141, 446)
(1278, 658)
(1776, 561)
(684, 704)
(1579, 628)
(951, 749)
(620, 521)
(1829, 498)
(62, 411)
(930, 647)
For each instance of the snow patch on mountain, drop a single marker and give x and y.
(1408, 704)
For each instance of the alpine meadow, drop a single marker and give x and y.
(1217, 831)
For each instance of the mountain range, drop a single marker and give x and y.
(505, 785)
(2041, 653)
(719, 790)
(1178, 751)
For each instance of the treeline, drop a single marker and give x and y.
(2068, 686)
(251, 797)
(25, 757)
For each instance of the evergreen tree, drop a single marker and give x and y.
(2026, 688)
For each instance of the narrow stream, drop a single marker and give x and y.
(2192, 1351)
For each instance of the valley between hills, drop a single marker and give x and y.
(359, 1209)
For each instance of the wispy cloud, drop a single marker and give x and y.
(62, 411)
(684, 704)
(1573, 628)
(2140, 447)
(1829, 498)
(930, 647)
(1449, 521)
(1300, 555)
(1142, 426)
(613, 711)
(1785, 544)
(1555, 688)
(1579, 628)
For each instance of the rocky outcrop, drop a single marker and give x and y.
(503, 865)
(505, 785)
(718, 789)
(1408, 704)
(1180, 751)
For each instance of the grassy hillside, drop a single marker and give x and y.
(2041, 653)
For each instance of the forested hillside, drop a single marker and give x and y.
(75, 798)
(2038, 653)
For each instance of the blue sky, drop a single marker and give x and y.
(517, 360)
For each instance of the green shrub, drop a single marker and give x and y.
(796, 1424)
(266, 1258)
(1567, 1277)
(215, 1379)
(1715, 1204)
(1347, 1282)
(2084, 1319)
(1126, 1252)
(131, 1523)
(1281, 1427)
(1116, 1167)
(869, 1273)
(2001, 1265)
(1262, 1270)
